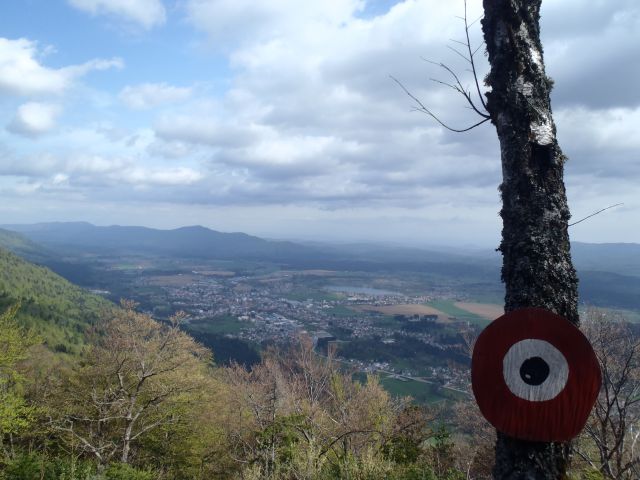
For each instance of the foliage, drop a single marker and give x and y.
(122, 471)
(404, 347)
(36, 466)
(142, 400)
(15, 414)
(19, 244)
(228, 350)
(59, 311)
(132, 380)
(296, 415)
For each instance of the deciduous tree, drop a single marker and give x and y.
(15, 413)
(610, 441)
(132, 380)
(296, 415)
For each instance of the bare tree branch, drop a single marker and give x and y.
(471, 54)
(457, 85)
(594, 214)
(422, 108)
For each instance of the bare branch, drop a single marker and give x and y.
(594, 214)
(471, 54)
(459, 88)
(422, 108)
(459, 53)
(476, 21)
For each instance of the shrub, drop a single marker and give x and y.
(123, 471)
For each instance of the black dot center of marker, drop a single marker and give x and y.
(534, 371)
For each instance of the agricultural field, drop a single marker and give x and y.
(452, 311)
(403, 309)
(421, 392)
(486, 310)
(179, 280)
(221, 324)
(445, 310)
(317, 273)
(216, 273)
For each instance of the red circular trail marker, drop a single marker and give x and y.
(535, 376)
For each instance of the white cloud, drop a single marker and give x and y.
(87, 171)
(312, 118)
(613, 129)
(75, 71)
(202, 129)
(146, 13)
(170, 149)
(21, 73)
(34, 118)
(149, 95)
(312, 101)
(228, 22)
(588, 55)
(306, 117)
(162, 177)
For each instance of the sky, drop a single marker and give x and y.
(280, 118)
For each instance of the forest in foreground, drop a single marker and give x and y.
(91, 390)
(142, 400)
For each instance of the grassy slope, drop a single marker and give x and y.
(421, 392)
(449, 308)
(19, 244)
(58, 310)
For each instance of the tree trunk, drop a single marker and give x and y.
(130, 419)
(537, 269)
(126, 443)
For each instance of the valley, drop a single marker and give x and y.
(394, 325)
(405, 315)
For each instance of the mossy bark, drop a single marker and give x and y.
(537, 270)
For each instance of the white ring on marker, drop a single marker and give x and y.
(529, 348)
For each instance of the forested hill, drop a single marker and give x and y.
(21, 245)
(58, 310)
(194, 241)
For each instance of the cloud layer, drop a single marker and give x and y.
(149, 95)
(146, 13)
(21, 72)
(304, 116)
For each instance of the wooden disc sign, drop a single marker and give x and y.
(535, 376)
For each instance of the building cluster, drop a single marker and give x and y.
(272, 310)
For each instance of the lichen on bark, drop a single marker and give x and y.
(537, 270)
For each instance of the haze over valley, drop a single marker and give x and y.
(397, 311)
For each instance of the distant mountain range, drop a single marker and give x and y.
(186, 242)
(620, 258)
(201, 242)
(609, 273)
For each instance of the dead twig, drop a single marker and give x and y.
(594, 214)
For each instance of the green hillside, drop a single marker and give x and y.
(19, 244)
(58, 310)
